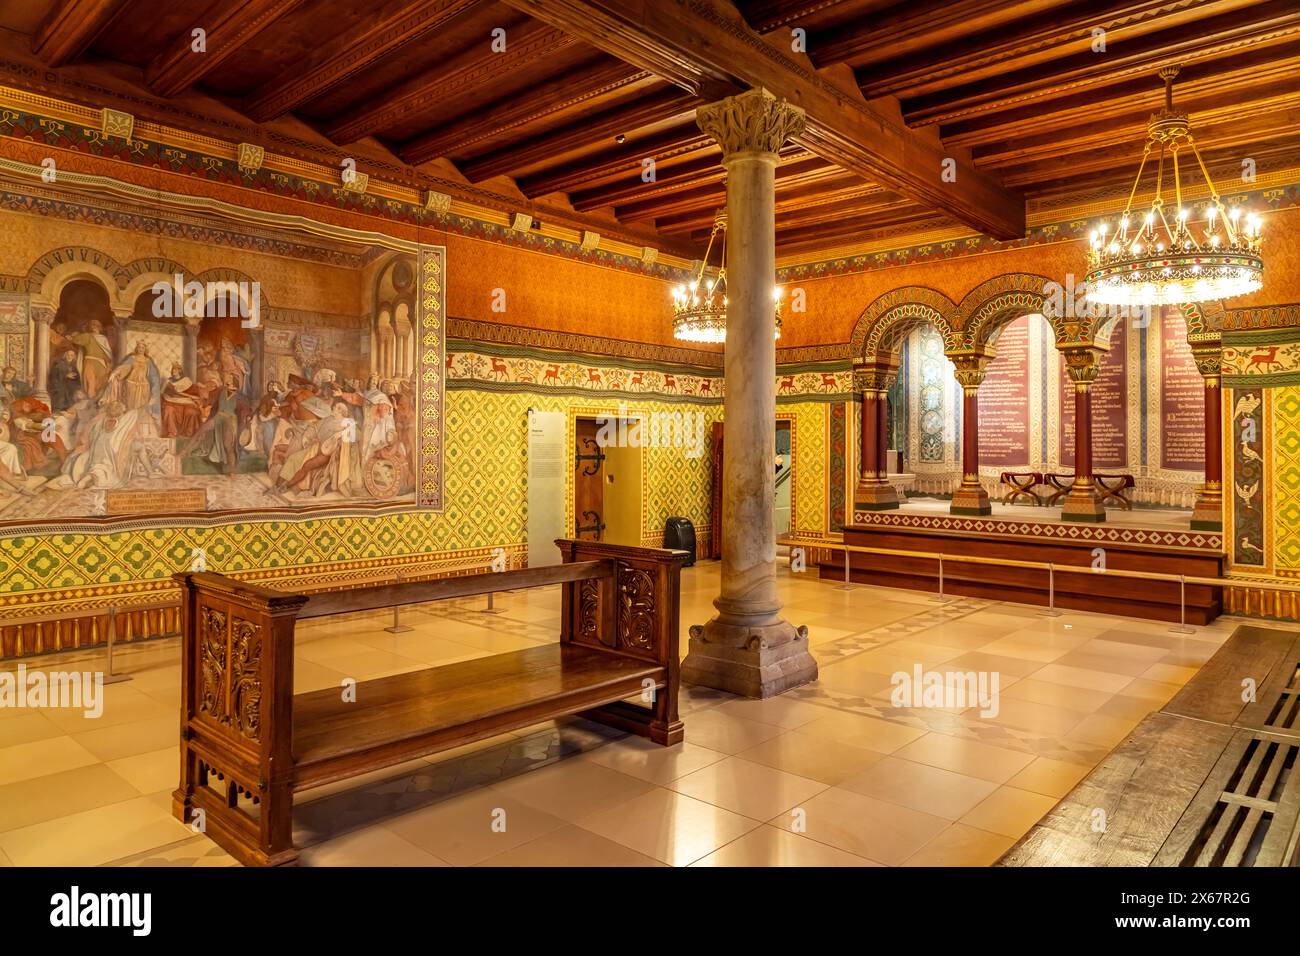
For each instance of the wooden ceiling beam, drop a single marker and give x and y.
(805, 189)
(1043, 35)
(175, 71)
(1242, 134)
(696, 171)
(625, 160)
(601, 77)
(472, 69)
(910, 28)
(1224, 35)
(1251, 76)
(708, 50)
(70, 27)
(799, 172)
(583, 133)
(393, 26)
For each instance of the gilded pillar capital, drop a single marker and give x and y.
(751, 122)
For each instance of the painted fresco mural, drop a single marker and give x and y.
(202, 399)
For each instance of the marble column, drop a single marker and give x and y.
(120, 348)
(747, 648)
(873, 491)
(190, 348)
(1082, 503)
(1207, 515)
(41, 319)
(970, 498)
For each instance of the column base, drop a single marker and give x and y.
(877, 495)
(1083, 504)
(1207, 515)
(971, 500)
(749, 660)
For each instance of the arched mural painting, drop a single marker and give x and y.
(148, 389)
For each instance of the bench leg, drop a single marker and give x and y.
(658, 723)
(263, 838)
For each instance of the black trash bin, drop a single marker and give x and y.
(679, 534)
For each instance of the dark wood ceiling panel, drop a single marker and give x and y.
(588, 89)
(1230, 34)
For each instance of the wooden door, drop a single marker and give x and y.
(588, 481)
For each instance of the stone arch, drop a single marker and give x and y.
(50, 273)
(241, 283)
(143, 274)
(897, 312)
(993, 303)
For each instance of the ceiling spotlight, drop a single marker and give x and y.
(620, 139)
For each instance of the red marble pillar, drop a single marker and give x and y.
(1083, 503)
(970, 498)
(874, 492)
(1208, 512)
(870, 436)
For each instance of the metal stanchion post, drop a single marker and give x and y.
(109, 676)
(1051, 593)
(491, 603)
(397, 627)
(1181, 627)
(940, 599)
(846, 586)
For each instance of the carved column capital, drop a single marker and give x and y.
(873, 378)
(41, 314)
(1209, 362)
(969, 371)
(1082, 365)
(751, 122)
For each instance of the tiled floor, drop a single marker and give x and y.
(830, 774)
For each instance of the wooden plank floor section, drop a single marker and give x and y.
(444, 700)
(1210, 780)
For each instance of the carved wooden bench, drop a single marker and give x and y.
(248, 742)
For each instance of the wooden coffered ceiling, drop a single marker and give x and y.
(1015, 93)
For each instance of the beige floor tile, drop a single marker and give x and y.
(38, 758)
(1157, 692)
(1017, 667)
(25, 726)
(961, 845)
(648, 761)
(1057, 694)
(571, 846)
(1128, 708)
(870, 732)
(122, 704)
(842, 676)
(782, 712)
(1025, 649)
(1009, 811)
(1040, 718)
(725, 733)
(150, 772)
(372, 846)
(1102, 730)
(670, 827)
(880, 831)
(815, 757)
(931, 790)
(1083, 677)
(964, 756)
(769, 846)
(1107, 663)
(928, 653)
(38, 799)
(470, 827)
(1052, 778)
(750, 789)
(93, 837)
(573, 789)
(1169, 673)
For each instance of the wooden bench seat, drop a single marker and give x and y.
(408, 715)
(248, 742)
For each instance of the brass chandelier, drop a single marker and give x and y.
(1165, 257)
(700, 306)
